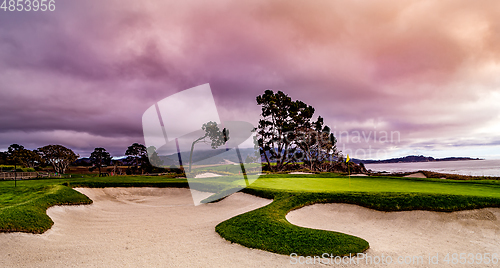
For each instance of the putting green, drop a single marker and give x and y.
(22, 208)
(267, 228)
(312, 183)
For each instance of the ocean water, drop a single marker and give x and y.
(469, 167)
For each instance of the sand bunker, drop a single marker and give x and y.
(408, 233)
(137, 227)
(159, 227)
(416, 175)
(300, 173)
(207, 175)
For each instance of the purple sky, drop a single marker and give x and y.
(83, 75)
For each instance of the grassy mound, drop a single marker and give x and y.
(267, 228)
(24, 210)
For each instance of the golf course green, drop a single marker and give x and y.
(331, 182)
(23, 208)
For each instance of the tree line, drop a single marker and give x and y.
(287, 137)
(60, 157)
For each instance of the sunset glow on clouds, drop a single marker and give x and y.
(83, 75)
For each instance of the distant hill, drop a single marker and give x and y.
(207, 157)
(200, 157)
(413, 158)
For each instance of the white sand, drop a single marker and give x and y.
(137, 227)
(229, 162)
(300, 173)
(409, 233)
(207, 175)
(159, 227)
(416, 175)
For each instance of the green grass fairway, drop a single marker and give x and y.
(337, 183)
(233, 168)
(268, 229)
(23, 208)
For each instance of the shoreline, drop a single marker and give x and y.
(489, 169)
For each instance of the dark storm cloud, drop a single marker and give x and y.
(426, 69)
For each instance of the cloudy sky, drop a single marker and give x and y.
(83, 75)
